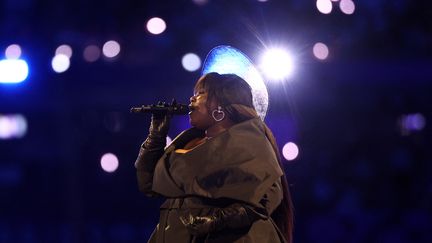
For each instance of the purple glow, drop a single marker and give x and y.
(12, 126)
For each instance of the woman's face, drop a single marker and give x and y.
(199, 116)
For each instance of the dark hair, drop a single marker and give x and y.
(227, 90)
(235, 96)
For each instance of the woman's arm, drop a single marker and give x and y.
(150, 152)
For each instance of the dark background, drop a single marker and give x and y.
(360, 176)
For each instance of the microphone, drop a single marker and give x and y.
(163, 108)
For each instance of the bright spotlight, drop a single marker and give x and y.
(347, 6)
(324, 6)
(12, 126)
(111, 49)
(13, 52)
(156, 25)
(60, 63)
(65, 50)
(191, 62)
(320, 51)
(290, 151)
(277, 64)
(13, 70)
(109, 162)
(91, 53)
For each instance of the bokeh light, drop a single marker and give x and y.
(65, 50)
(320, 51)
(60, 63)
(91, 53)
(13, 71)
(111, 49)
(277, 64)
(156, 25)
(12, 126)
(13, 52)
(191, 62)
(109, 162)
(324, 6)
(200, 2)
(411, 123)
(290, 151)
(347, 6)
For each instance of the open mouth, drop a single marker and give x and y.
(191, 108)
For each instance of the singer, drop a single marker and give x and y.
(222, 178)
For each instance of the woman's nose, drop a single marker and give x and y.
(192, 99)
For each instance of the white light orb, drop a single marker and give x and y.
(60, 63)
(111, 49)
(65, 50)
(347, 6)
(324, 6)
(320, 51)
(13, 52)
(191, 62)
(13, 70)
(290, 151)
(109, 162)
(156, 25)
(277, 64)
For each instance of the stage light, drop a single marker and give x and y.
(324, 6)
(109, 162)
(111, 49)
(13, 52)
(200, 2)
(12, 126)
(156, 25)
(191, 62)
(347, 6)
(277, 64)
(65, 50)
(320, 51)
(262, 1)
(290, 151)
(13, 70)
(91, 53)
(60, 63)
(411, 123)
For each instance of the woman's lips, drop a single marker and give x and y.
(191, 108)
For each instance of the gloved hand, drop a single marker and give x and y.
(234, 216)
(158, 131)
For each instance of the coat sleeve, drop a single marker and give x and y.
(273, 197)
(145, 166)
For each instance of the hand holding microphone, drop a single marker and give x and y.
(160, 121)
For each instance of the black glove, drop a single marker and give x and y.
(234, 216)
(158, 131)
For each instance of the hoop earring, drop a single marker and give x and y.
(219, 111)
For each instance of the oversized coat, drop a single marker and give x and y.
(237, 166)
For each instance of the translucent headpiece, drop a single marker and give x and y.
(228, 60)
